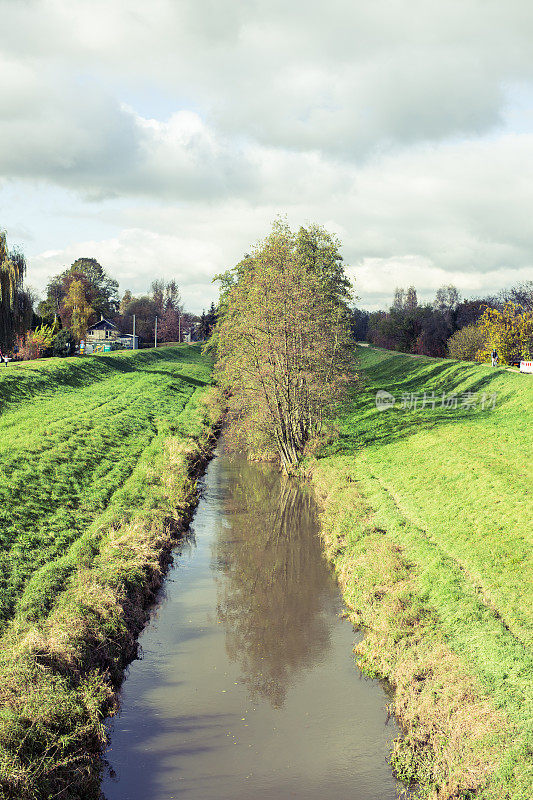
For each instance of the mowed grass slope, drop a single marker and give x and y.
(443, 496)
(67, 450)
(98, 466)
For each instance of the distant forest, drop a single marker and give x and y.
(451, 326)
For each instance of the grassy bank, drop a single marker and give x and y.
(427, 517)
(99, 458)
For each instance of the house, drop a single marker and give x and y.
(102, 331)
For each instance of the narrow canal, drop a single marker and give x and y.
(247, 687)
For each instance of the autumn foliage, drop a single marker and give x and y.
(283, 341)
(509, 331)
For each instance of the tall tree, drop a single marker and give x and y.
(76, 303)
(359, 324)
(127, 297)
(172, 296)
(101, 289)
(168, 328)
(158, 293)
(398, 299)
(411, 300)
(12, 269)
(55, 293)
(166, 295)
(202, 329)
(72, 298)
(282, 347)
(105, 300)
(446, 303)
(469, 311)
(521, 295)
(145, 311)
(447, 299)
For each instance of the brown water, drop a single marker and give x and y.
(247, 688)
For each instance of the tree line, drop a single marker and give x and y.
(450, 326)
(80, 295)
(77, 298)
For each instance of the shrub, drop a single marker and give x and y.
(64, 343)
(467, 342)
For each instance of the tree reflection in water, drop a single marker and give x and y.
(274, 581)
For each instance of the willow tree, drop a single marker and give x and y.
(12, 269)
(282, 343)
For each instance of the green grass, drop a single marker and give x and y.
(98, 458)
(68, 448)
(451, 488)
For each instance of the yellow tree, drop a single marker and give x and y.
(76, 303)
(509, 331)
(38, 341)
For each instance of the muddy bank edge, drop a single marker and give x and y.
(60, 679)
(456, 742)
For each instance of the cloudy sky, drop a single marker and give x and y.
(163, 137)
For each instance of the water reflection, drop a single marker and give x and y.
(247, 687)
(275, 581)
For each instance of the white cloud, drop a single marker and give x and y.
(136, 257)
(346, 79)
(189, 124)
(433, 215)
(376, 279)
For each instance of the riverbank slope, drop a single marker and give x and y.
(427, 518)
(99, 459)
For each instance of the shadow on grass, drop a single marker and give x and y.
(176, 376)
(22, 382)
(361, 424)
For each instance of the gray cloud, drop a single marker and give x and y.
(346, 79)
(77, 135)
(387, 121)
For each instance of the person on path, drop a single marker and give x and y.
(494, 358)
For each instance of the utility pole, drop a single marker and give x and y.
(155, 343)
(133, 343)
